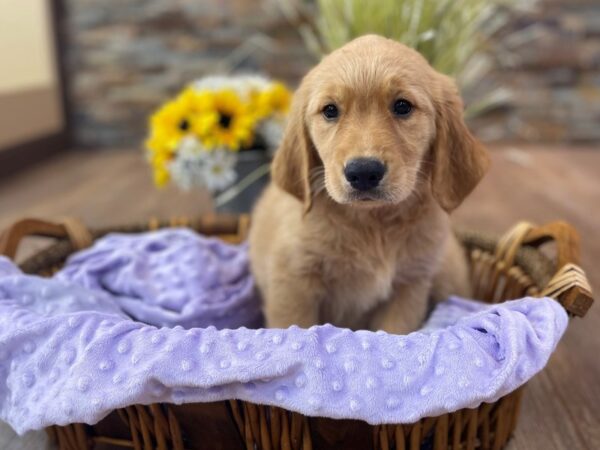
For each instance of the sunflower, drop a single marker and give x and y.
(159, 154)
(161, 145)
(275, 99)
(190, 112)
(161, 176)
(202, 115)
(193, 137)
(168, 125)
(236, 121)
(159, 161)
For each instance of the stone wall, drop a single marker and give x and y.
(554, 76)
(126, 56)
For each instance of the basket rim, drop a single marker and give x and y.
(517, 251)
(534, 263)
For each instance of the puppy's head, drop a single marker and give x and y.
(370, 122)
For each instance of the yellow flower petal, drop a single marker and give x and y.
(280, 97)
(203, 124)
(236, 121)
(161, 177)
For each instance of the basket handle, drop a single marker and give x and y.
(68, 228)
(569, 285)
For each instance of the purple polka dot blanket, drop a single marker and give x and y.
(171, 316)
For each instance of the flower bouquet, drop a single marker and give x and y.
(196, 138)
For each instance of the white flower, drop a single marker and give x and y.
(196, 166)
(219, 169)
(187, 167)
(190, 147)
(271, 130)
(243, 85)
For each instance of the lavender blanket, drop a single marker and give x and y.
(73, 337)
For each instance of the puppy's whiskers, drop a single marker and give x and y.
(317, 180)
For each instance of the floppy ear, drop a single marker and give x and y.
(459, 159)
(295, 156)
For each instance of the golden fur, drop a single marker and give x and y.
(321, 254)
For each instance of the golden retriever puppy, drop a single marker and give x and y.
(353, 229)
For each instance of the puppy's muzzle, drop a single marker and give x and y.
(364, 174)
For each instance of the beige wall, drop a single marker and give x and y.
(29, 95)
(25, 45)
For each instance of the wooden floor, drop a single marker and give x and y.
(561, 408)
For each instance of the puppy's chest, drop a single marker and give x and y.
(360, 274)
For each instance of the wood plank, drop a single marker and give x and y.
(100, 187)
(561, 406)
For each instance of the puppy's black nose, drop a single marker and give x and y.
(364, 173)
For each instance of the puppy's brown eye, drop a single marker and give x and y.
(330, 112)
(402, 108)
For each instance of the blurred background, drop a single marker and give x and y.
(122, 58)
(80, 79)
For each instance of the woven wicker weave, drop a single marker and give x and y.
(501, 269)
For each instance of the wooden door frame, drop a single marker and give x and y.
(25, 154)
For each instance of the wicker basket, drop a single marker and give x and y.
(508, 268)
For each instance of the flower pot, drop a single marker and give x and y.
(248, 162)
